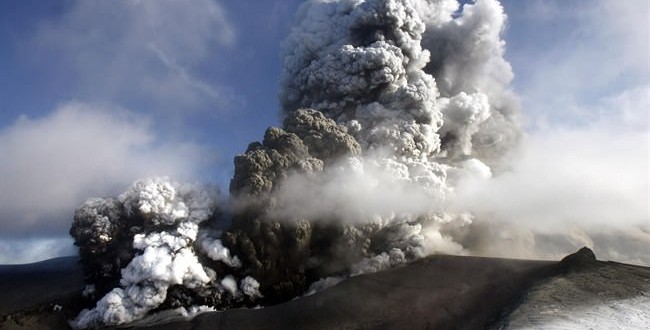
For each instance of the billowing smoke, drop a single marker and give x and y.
(415, 77)
(370, 69)
(387, 105)
(143, 251)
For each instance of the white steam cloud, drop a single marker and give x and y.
(562, 193)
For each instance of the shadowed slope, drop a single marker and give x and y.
(28, 285)
(438, 292)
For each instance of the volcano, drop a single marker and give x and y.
(362, 208)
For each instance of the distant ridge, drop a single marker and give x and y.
(54, 262)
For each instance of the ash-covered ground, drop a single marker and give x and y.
(437, 292)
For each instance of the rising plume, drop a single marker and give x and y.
(386, 106)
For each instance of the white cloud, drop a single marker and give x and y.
(138, 50)
(51, 164)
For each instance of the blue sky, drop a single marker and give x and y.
(94, 95)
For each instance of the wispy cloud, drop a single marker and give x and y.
(148, 56)
(142, 51)
(185, 78)
(573, 54)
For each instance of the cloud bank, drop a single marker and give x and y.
(52, 163)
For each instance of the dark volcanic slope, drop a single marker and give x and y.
(24, 286)
(440, 292)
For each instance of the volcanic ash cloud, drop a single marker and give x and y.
(375, 195)
(387, 104)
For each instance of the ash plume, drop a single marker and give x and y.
(396, 72)
(386, 106)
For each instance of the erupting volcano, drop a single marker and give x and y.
(386, 105)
